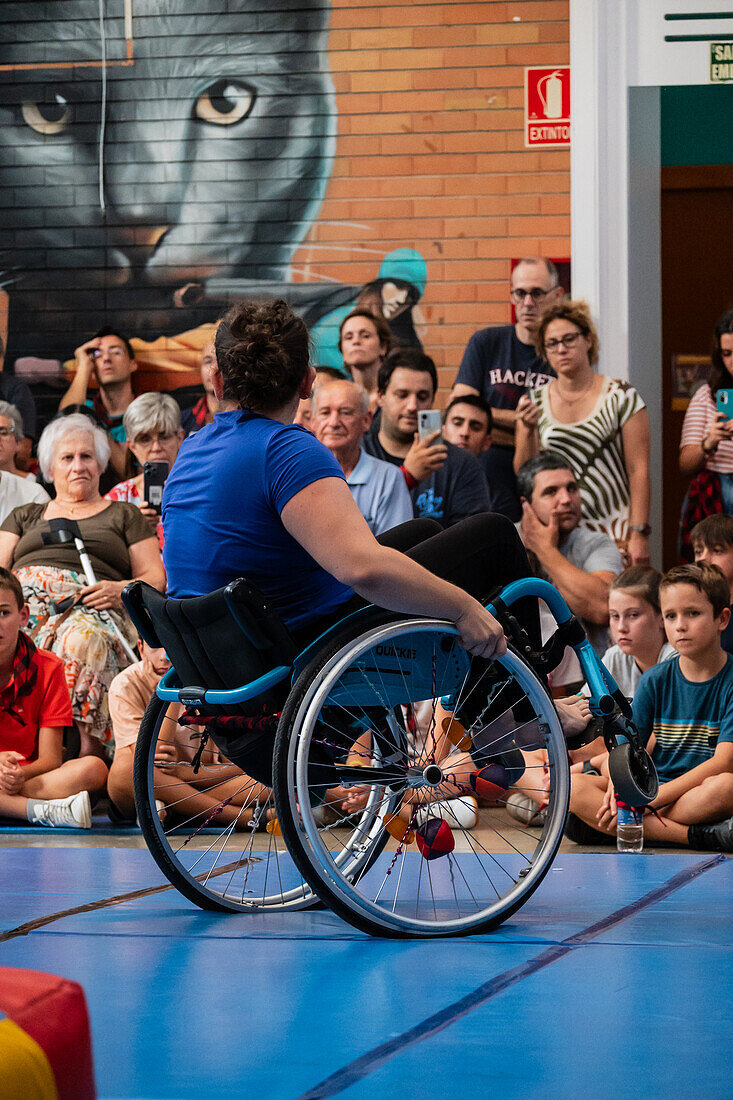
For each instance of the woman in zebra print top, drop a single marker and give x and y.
(599, 424)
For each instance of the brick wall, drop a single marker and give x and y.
(429, 156)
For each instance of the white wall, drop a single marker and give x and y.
(619, 58)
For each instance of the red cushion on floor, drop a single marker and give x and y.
(53, 1011)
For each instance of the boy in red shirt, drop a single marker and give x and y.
(34, 708)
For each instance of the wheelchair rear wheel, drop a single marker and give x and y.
(212, 833)
(366, 717)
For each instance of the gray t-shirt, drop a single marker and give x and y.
(593, 552)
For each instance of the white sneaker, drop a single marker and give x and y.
(523, 808)
(74, 812)
(458, 813)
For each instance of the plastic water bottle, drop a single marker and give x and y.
(629, 828)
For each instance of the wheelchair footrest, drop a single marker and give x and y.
(593, 730)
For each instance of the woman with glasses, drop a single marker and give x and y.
(599, 424)
(152, 424)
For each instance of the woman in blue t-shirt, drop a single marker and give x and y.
(254, 495)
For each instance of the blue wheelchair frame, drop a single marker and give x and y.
(606, 702)
(605, 695)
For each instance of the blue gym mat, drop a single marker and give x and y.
(614, 977)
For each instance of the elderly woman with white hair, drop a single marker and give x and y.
(152, 424)
(73, 452)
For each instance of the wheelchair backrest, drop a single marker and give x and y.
(222, 640)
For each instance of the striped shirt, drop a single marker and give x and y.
(698, 422)
(594, 451)
(687, 719)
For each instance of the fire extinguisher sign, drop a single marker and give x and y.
(547, 107)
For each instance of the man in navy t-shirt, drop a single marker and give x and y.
(500, 364)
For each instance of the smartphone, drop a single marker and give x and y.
(154, 475)
(724, 402)
(429, 421)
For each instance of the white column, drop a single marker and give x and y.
(599, 172)
(614, 187)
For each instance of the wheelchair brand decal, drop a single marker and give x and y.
(392, 673)
(400, 651)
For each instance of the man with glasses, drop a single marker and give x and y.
(500, 364)
(108, 360)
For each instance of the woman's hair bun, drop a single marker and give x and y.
(262, 353)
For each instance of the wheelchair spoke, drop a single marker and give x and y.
(209, 847)
(429, 871)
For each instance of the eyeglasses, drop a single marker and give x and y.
(148, 440)
(536, 294)
(115, 353)
(565, 341)
(5, 433)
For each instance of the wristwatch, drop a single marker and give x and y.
(644, 529)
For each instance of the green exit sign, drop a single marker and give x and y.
(721, 62)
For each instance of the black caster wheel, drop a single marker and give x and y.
(634, 775)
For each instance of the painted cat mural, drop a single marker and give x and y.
(158, 158)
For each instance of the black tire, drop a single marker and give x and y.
(218, 869)
(633, 775)
(336, 873)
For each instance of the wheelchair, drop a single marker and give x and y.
(268, 779)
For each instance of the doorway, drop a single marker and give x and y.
(697, 287)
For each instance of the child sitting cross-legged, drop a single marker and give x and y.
(683, 710)
(217, 791)
(637, 629)
(34, 709)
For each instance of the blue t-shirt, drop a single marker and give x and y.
(221, 514)
(687, 719)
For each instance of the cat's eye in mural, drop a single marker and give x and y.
(48, 116)
(224, 103)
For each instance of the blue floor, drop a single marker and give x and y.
(185, 1003)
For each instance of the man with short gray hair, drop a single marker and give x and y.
(340, 417)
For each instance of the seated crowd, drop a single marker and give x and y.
(530, 431)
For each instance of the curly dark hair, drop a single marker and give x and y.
(263, 355)
(576, 312)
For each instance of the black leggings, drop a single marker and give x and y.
(479, 554)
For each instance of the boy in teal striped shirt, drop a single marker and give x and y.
(683, 709)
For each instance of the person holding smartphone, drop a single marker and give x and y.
(153, 427)
(446, 483)
(706, 444)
